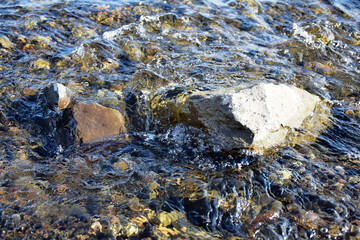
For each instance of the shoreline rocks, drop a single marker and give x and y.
(254, 118)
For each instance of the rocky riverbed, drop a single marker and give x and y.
(179, 119)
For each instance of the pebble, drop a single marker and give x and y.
(58, 96)
(16, 219)
(41, 64)
(6, 43)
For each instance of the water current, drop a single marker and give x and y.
(169, 181)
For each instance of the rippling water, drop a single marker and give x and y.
(170, 182)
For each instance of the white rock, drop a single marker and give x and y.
(255, 117)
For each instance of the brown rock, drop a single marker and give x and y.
(94, 122)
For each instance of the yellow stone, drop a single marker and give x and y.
(286, 174)
(132, 229)
(6, 43)
(140, 221)
(42, 42)
(135, 205)
(62, 189)
(121, 166)
(168, 231)
(29, 92)
(41, 64)
(166, 218)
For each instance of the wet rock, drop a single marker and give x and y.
(94, 122)
(255, 117)
(29, 92)
(131, 229)
(147, 80)
(121, 166)
(6, 43)
(41, 64)
(16, 218)
(198, 211)
(167, 219)
(58, 96)
(354, 232)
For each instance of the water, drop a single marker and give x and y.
(171, 181)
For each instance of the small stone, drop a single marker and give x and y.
(166, 218)
(339, 185)
(135, 205)
(62, 189)
(6, 43)
(354, 179)
(131, 229)
(16, 219)
(301, 170)
(29, 92)
(121, 166)
(94, 122)
(41, 64)
(115, 226)
(147, 80)
(31, 24)
(355, 230)
(96, 227)
(340, 169)
(286, 174)
(58, 96)
(322, 68)
(335, 231)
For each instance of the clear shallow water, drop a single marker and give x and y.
(170, 182)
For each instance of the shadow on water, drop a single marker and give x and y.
(342, 136)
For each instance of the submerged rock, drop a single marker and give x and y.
(255, 118)
(41, 64)
(147, 80)
(94, 122)
(58, 96)
(5, 42)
